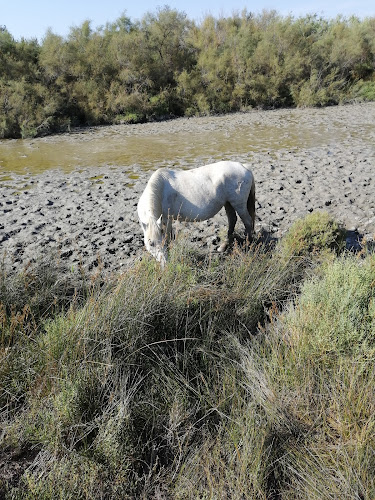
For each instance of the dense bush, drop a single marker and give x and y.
(166, 65)
(244, 376)
(316, 233)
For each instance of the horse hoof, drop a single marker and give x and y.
(223, 247)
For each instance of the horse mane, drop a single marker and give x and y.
(155, 194)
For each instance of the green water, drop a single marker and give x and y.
(172, 143)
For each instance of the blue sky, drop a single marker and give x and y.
(32, 18)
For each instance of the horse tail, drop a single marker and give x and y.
(251, 198)
(251, 202)
(247, 166)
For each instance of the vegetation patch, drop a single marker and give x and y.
(166, 65)
(317, 233)
(244, 376)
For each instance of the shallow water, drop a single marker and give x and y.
(179, 142)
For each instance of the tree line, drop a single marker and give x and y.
(167, 65)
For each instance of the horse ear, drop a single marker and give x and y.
(159, 222)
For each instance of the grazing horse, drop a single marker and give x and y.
(195, 195)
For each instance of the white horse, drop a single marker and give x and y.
(195, 195)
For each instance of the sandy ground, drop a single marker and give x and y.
(93, 221)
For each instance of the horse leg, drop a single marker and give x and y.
(251, 204)
(168, 231)
(246, 211)
(248, 222)
(232, 218)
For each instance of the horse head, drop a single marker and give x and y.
(155, 239)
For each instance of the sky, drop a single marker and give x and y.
(32, 18)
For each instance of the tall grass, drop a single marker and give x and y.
(217, 378)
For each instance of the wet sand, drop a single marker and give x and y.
(89, 216)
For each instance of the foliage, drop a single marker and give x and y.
(316, 233)
(363, 91)
(335, 312)
(167, 65)
(243, 376)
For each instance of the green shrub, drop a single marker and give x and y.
(166, 65)
(129, 118)
(316, 369)
(363, 91)
(316, 233)
(336, 311)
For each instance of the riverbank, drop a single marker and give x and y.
(88, 216)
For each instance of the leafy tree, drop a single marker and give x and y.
(165, 64)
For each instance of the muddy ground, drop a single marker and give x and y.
(89, 216)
